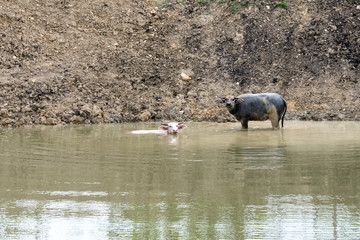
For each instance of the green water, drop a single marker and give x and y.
(212, 181)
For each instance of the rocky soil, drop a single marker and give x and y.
(111, 61)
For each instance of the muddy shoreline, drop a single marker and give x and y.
(75, 62)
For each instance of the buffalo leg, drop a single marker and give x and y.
(274, 123)
(274, 118)
(244, 124)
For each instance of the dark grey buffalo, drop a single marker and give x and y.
(256, 107)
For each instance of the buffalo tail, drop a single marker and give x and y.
(282, 118)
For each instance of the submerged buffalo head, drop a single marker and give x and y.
(172, 127)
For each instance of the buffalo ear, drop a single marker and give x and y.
(163, 127)
(220, 100)
(239, 100)
(182, 126)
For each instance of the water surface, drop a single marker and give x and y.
(212, 181)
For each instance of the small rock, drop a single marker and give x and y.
(192, 94)
(77, 119)
(96, 111)
(145, 116)
(7, 121)
(51, 121)
(184, 76)
(98, 120)
(4, 112)
(27, 108)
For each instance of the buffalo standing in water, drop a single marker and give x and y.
(256, 107)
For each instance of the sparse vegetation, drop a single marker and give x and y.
(206, 1)
(165, 3)
(233, 6)
(281, 4)
(244, 3)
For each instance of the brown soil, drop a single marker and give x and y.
(79, 61)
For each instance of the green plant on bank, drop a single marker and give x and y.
(206, 1)
(282, 4)
(233, 6)
(244, 3)
(165, 3)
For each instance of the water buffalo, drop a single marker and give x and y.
(165, 128)
(256, 107)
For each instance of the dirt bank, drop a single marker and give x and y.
(78, 61)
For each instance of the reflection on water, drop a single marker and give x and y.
(212, 181)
